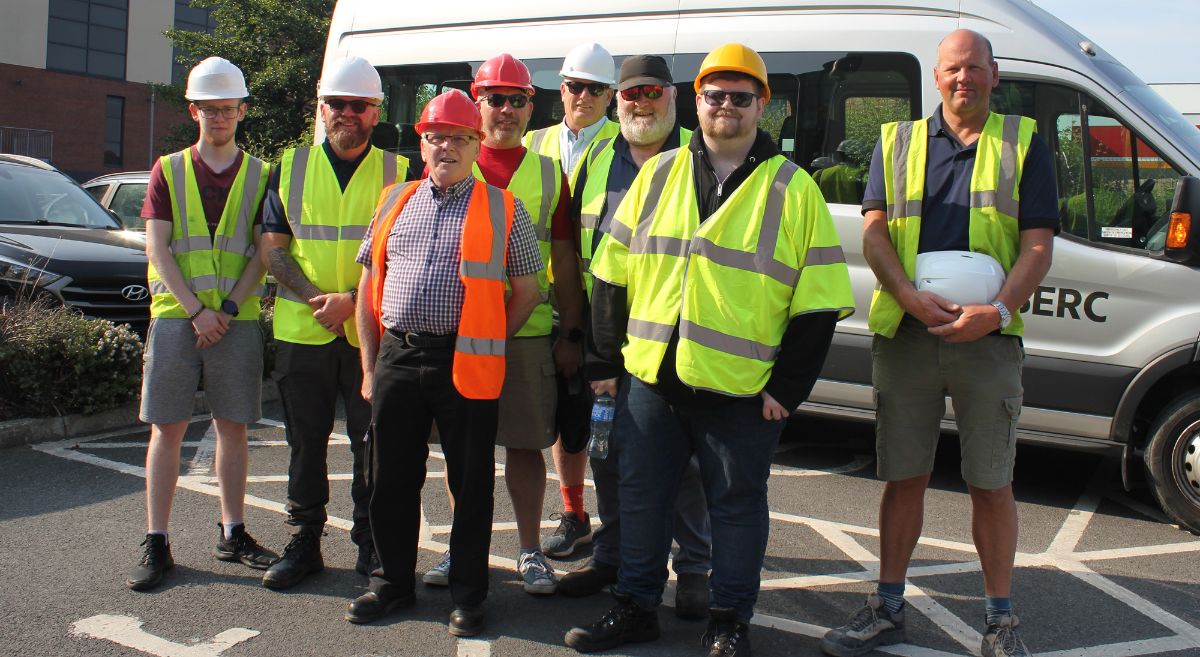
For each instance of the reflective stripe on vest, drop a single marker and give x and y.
(211, 265)
(731, 283)
(479, 364)
(328, 225)
(994, 206)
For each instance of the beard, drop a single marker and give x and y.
(348, 136)
(646, 129)
(725, 126)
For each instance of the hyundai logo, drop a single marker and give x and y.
(135, 292)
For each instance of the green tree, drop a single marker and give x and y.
(280, 46)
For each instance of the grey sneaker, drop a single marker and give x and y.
(439, 575)
(536, 574)
(870, 626)
(1002, 640)
(571, 533)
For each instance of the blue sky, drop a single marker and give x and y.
(1154, 38)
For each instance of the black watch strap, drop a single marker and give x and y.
(354, 294)
(229, 307)
(575, 335)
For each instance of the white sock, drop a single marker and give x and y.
(228, 527)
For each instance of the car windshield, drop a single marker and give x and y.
(35, 196)
(1179, 130)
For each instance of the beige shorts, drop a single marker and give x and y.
(915, 371)
(529, 396)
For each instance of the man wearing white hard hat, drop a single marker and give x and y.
(318, 206)
(203, 209)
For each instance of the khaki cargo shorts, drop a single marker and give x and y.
(915, 371)
(530, 395)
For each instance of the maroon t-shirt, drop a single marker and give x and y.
(214, 190)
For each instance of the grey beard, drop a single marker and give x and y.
(640, 134)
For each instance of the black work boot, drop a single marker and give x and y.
(242, 547)
(155, 560)
(301, 558)
(367, 559)
(591, 579)
(691, 596)
(625, 623)
(726, 635)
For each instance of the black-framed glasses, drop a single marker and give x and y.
(339, 105)
(213, 112)
(716, 98)
(647, 91)
(516, 100)
(596, 89)
(460, 141)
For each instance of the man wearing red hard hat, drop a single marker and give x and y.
(435, 323)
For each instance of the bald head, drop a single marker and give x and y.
(965, 75)
(968, 38)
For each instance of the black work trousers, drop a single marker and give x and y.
(311, 378)
(412, 390)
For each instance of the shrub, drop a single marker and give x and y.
(53, 361)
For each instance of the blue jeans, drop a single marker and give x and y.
(734, 446)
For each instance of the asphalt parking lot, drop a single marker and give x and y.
(1100, 572)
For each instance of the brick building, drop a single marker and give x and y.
(75, 80)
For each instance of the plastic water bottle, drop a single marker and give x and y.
(603, 412)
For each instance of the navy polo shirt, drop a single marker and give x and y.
(946, 212)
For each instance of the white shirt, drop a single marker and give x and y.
(572, 147)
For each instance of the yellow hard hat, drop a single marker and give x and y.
(735, 57)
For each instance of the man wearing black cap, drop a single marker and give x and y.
(646, 109)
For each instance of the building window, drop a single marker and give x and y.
(88, 36)
(114, 130)
(192, 19)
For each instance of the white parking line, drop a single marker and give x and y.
(474, 648)
(202, 460)
(127, 631)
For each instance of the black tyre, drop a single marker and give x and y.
(1173, 460)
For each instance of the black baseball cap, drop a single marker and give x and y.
(643, 69)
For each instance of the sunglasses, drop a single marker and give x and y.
(577, 88)
(339, 105)
(739, 98)
(461, 141)
(213, 112)
(516, 100)
(648, 91)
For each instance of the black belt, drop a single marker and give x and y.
(423, 340)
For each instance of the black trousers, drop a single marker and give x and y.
(311, 378)
(412, 390)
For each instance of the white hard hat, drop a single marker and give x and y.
(590, 61)
(964, 277)
(215, 79)
(351, 76)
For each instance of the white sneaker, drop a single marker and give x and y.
(439, 575)
(536, 574)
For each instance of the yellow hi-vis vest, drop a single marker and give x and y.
(536, 183)
(328, 226)
(546, 142)
(211, 265)
(598, 161)
(995, 182)
(732, 283)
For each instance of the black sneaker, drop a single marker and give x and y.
(367, 560)
(624, 623)
(242, 547)
(301, 558)
(571, 533)
(726, 636)
(589, 580)
(155, 560)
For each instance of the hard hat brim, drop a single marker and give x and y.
(420, 127)
(582, 75)
(705, 72)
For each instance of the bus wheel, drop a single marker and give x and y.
(1173, 460)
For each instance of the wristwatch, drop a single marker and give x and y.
(1005, 316)
(229, 307)
(575, 335)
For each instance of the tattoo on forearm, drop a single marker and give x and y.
(285, 270)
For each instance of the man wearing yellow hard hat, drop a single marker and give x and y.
(717, 358)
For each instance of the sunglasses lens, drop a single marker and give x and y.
(517, 100)
(652, 91)
(738, 98)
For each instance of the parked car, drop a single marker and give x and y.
(56, 240)
(122, 193)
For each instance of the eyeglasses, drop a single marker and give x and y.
(649, 91)
(339, 105)
(212, 112)
(577, 88)
(717, 98)
(459, 141)
(516, 100)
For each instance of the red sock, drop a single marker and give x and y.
(573, 499)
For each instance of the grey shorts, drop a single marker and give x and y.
(173, 367)
(530, 395)
(915, 371)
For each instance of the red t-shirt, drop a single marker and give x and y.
(214, 189)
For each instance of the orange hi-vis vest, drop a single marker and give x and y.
(479, 348)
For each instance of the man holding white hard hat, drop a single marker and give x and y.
(975, 218)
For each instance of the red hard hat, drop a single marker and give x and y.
(502, 71)
(451, 108)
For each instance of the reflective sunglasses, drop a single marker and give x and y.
(576, 88)
(648, 91)
(717, 98)
(516, 100)
(212, 112)
(460, 141)
(339, 105)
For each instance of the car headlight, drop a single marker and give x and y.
(21, 273)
